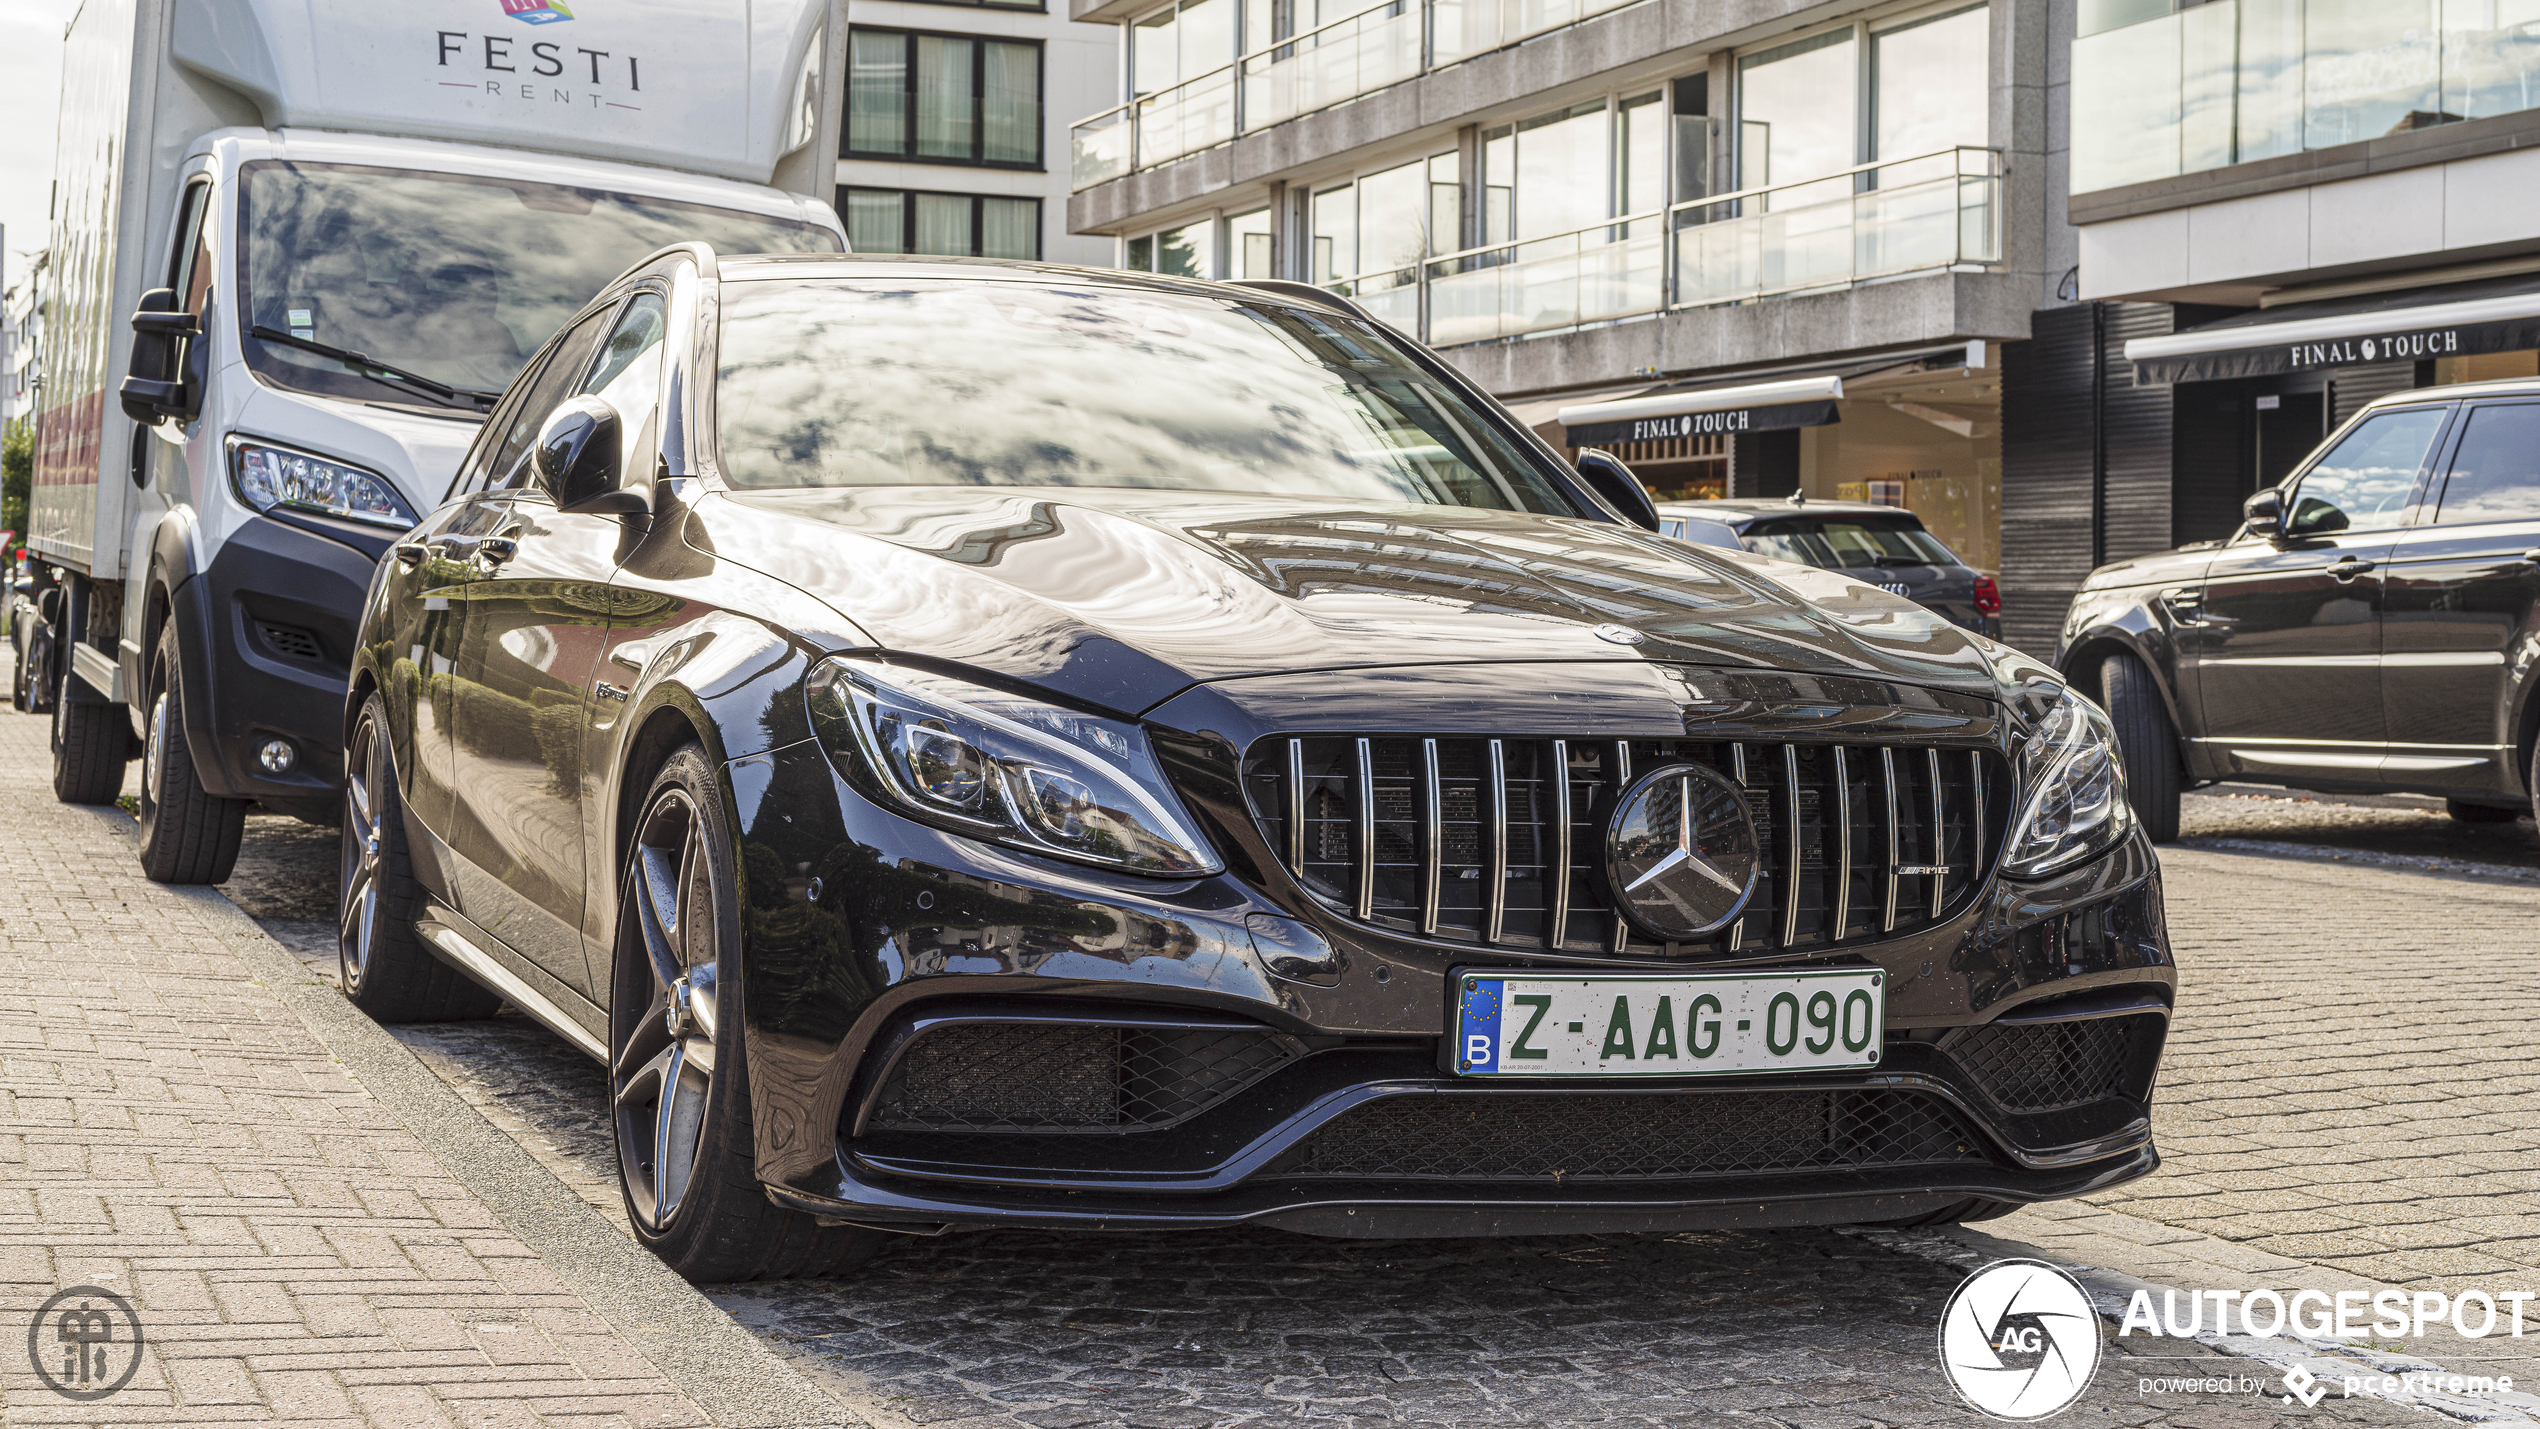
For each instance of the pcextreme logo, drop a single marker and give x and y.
(537, 12)
(2019, 1340)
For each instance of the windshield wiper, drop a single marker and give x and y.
(383, 373)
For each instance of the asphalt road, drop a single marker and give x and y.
(1800, 1328)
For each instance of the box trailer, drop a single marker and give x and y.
(299, 246)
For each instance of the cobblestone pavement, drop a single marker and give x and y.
(2402, 832)
(2268, 1101)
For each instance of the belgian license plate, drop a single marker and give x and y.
(1633, 1025)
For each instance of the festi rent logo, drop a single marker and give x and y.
(536, 12)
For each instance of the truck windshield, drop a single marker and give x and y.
(916, 383)
(454, 277)
(1848, 542)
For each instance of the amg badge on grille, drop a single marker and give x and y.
(1681, 855)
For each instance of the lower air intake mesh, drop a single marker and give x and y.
(1557, 1138)
(1060, 1077)
(2049, 1066)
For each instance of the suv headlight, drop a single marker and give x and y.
(1001, 767)
(2073, 803)
(267, 477)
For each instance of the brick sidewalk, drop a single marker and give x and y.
(172, 1130)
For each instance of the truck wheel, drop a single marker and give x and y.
(386, 970)
(2148, 744)
(188, 833)
(92, 739)
(677, 1074)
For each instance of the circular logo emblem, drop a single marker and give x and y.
(2019, 1340)
(1681, 852)
(85, 1343)
(1618, 634)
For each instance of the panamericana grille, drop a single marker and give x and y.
(1061, 1077)
(1502, 841)
(1557, 1137)
(2050, 1066)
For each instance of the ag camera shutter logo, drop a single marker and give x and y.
(2019, 1340)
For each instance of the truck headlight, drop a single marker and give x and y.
(2073, 803)
(269, 477)
(1001, 767)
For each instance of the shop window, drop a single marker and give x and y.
(941, 224)
(943, 99)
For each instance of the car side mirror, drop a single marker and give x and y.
(154, 389)
(2264, 512)
(577, 458)
(1606, 474)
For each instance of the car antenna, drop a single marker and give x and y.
(1799, 498)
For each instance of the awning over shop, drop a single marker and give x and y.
(2452, 321)
(1756, 407)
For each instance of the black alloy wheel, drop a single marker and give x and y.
(381, 961)
(677, 1075)
(2146, 743)
(188, 833)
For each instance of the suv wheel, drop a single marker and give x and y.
(2148, 744)
(92, 740)
(678, 1076)
(385, 968)
(188, 833)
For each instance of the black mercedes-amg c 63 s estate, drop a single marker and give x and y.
(971, 743)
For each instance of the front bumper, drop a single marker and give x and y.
(913, 929)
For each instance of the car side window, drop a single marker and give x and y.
(2363, 484)
(2495, 472)
(489, 441)
(629, 375)
(554, 383)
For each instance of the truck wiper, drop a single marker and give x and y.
(381, 372)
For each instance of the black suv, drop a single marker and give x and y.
(2371, 628)
(1881, 545)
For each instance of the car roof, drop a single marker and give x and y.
(750, 267)
(1758, 508)
(2455, 391)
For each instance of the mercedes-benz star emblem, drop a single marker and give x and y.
(1681, 852)
(1618, 634)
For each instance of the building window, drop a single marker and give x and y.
(1249, 252)
(1186, 252)
(943, 99)
(940, 224)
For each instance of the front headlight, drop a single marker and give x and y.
(2073, 804)
(267, 477)
(1016, 771)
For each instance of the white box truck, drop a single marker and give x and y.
(299, 245)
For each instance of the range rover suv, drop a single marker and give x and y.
(971, 743)
(2373, 627)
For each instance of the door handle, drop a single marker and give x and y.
(494, 550)
(410, 554)
(2348, 568)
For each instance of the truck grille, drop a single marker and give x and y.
(1558, 1138)
(1502, 841)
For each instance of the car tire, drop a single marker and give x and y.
(92, 741)
(188, 833)
(1974, 1208)
(2146, 742)
(21, 687)
(381, 961)
(2479, 813)
(678, 1074)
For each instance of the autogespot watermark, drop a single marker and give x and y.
(85, 1343)
(2326, 1314)
(2019, 1340)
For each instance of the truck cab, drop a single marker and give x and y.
(305, 319)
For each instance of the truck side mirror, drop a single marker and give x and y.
(577, 458)
(1605, 473)
(2264, 512)
(154, 388)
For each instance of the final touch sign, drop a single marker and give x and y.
(2265, 356)
(1703, 424)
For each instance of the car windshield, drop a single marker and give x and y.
(1848, 542)
(453, 277)
(998, 383)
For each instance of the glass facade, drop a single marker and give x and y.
(940, 224)
(942, 99)
(2160, 91)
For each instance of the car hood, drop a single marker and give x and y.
(1122, 598)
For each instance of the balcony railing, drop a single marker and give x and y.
(1382, 45)
(1932, 212)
